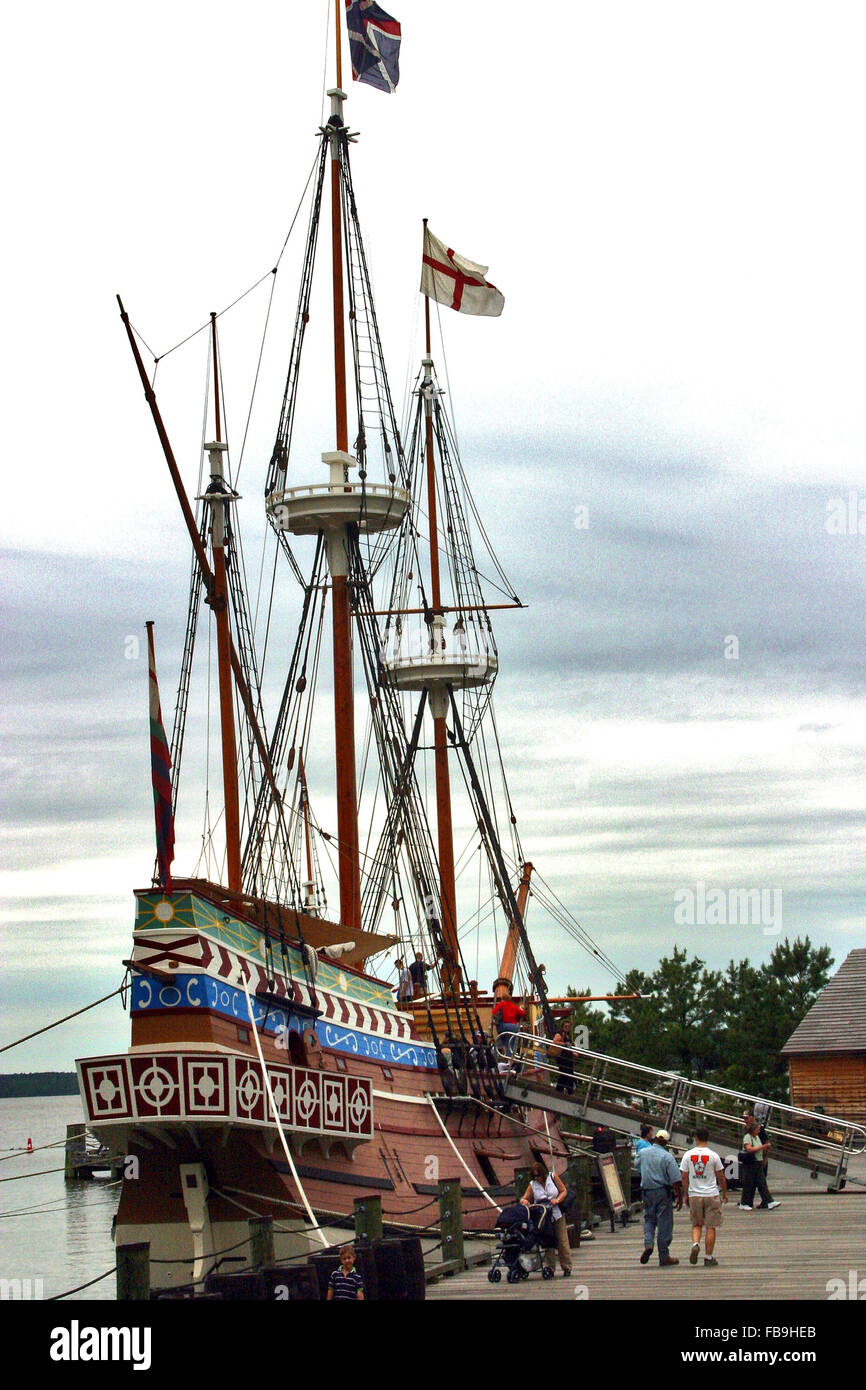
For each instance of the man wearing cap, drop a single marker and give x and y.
(659, 1180)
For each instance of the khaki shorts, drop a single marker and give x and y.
(706, 1211)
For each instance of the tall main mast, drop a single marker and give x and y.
(338, 539)
(337, 509)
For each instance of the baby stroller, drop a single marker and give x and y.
(524, 1235)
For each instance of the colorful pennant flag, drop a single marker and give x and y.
(374, 44)
(456, 281)
(160, 768)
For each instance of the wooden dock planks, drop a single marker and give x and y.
(788, 1254)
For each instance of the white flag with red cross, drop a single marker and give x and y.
(456, 281)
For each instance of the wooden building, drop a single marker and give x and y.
(827, 1052)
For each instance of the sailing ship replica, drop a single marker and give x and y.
(271, 1071)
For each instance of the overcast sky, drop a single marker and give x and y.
(664, 432)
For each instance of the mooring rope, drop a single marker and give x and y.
(66, 1018)
(485, 1194)
(267, 1080)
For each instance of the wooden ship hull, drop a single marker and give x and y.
(362, 1103)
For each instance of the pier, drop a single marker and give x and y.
(82, 1163)
(807, 1249)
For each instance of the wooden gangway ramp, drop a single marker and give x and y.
(793, 1252)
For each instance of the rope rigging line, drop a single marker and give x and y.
(256, 380)
(56, 1204)
(407, 819)
(485, 1194)
(40, 1173)
(38, 1148)
(568, 922)
(276, 1114)
(157, 358)
(98, 1280)
(57, 1022)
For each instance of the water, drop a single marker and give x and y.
(51, 1231)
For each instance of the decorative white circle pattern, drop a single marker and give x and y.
(359, 1107)
(106, 1090)
(249, 1091)
(205, 1087)
(157, 1086)
(306, 1099)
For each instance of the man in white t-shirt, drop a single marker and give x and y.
(705, 1188)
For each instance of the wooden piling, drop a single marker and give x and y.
(451, 1222)
(579, 1176)
(133, 1272)
(76, 1148)
(261, 1242)
(368, 1218)
(522, 1178)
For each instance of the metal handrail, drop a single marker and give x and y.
(852, 1131)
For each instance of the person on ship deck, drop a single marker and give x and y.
(405, 987)
(507, 1015)
(418, 969)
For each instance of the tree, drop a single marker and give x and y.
(764, 1006)
(690, 1014)
(594, 1020)
(726, 1027)
(633, 1025)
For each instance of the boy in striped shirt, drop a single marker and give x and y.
(346, 1284)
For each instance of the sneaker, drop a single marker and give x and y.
(709, 1260)
(669, 1260)
(744, 1206)
(694, 1252)
(770, 1205)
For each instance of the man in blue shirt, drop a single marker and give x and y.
(660, 1179)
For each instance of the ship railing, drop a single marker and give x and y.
(327, 490)
(678, 1101)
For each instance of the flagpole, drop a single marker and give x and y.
(337, 4)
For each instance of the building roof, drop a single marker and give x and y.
(836, 1021)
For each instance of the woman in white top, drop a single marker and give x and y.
(545, 1186)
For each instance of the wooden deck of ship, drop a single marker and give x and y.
(790, 1253)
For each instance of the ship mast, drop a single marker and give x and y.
(340, 508)
(338, 540)
(439, 697)
(217, 496)
(338, 547)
